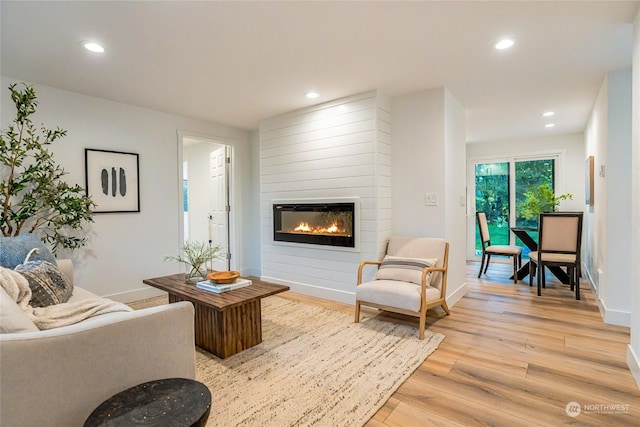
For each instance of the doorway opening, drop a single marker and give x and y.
(205, 203)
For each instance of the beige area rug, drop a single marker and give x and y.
(315, 367)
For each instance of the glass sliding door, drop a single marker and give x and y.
(501, 187)
(492, 185)
(530, 176)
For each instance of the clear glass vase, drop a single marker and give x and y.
(196, 274)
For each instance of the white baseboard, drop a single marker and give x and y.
(347, 297)
(315, 291)
(616, 317)
(457, 294)
(136, 295)
(634, 364)
(609, 316)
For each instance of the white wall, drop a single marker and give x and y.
(455, 192)
(428, 156)
(418, 163)
(595, 220)
(617, 178)
(251, 200)
(608, 221)
(337, 149)
(125, 248)
(633, 352)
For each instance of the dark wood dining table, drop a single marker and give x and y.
(523, 233)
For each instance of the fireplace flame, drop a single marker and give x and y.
(304, 227)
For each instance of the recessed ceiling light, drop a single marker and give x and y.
(549, 125)
(504, 44)
(312, 94)
(93, 47)
(548, 114)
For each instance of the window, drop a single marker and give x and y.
(501, 190)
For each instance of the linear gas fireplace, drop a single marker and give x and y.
(330, 224)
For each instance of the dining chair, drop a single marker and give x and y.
(411, 278)
(488, 249)
(559, 244)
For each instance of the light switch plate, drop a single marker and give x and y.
(431, 199)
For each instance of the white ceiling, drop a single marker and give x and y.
(237, 63)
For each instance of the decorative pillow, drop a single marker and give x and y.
(13, 250)
(404, 269)
(12, 318)
(48, 285)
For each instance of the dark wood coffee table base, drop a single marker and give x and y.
(225, 323)
(225, 333)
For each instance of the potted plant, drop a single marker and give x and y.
(540, 199)
(195, 255)
(33, 195)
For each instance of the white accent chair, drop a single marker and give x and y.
(488, 249)
(410, 279)
(559, 241)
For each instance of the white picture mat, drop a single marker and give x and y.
(125, 165)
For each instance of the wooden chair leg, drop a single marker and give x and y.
(532, 272)
(445, 307)
(487, 266)
(540, 275)
(515, 269)
(577, 279)
(357, 312)
(572, 282)
(423, 321)
(481, 265)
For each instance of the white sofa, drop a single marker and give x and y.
(57, 377)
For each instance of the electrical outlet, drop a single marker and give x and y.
(431, 199)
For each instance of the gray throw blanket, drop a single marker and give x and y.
(54, 316)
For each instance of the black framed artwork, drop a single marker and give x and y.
(112, 180)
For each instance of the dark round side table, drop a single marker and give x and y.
(172, 402)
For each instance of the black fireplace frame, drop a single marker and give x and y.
(314, 239)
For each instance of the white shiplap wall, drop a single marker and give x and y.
(337, 149)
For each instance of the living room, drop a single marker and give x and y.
(123, 249)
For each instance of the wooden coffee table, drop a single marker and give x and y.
(225, 323)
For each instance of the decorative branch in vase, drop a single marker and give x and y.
(195, 255)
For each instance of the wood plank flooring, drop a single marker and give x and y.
(511, 358)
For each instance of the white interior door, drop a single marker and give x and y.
(219, 205)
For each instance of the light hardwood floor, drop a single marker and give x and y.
(511, 358)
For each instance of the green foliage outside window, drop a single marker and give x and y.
(534, 193)
(540, 199)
